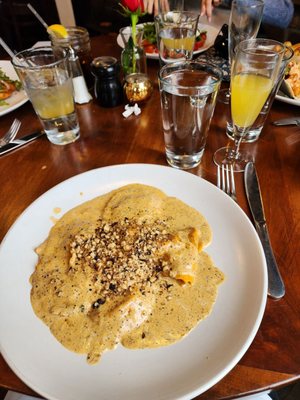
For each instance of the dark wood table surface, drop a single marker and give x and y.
(273, 359)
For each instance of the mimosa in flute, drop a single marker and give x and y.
(256, 67)
(249, 93)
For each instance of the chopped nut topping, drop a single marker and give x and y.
(125, 256)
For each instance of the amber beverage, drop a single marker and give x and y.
(79, 39)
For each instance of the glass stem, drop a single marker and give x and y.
(237, 143)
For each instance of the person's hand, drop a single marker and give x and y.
(207, 7)
(150, 6)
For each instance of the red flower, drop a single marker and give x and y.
(133, 5)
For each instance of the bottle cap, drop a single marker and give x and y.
(105, 66)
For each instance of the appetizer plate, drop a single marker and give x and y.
(212, 33)
(18, 98)
(286, 99)
(180, 371)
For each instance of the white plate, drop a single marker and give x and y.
(18, 98)
(212, 33)
(180, 371)
(288, 100)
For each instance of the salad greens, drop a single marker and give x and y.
(5, 78)
(7, 87)
(149, 32)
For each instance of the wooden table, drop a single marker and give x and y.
(107, 138)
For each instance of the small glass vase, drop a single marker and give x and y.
(133, 59)
(137, 85)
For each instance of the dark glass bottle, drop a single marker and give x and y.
(107, 87)
(221, 42)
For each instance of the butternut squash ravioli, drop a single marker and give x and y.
(127, 267)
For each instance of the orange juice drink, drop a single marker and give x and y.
(249, 93)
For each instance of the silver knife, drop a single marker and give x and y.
(20, 142)
(287, 121)
(276, 287)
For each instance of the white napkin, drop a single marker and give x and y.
(131, 110)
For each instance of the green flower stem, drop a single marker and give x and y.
(134, 20)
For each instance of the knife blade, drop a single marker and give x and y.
(287, 121)
(276, 287)
(20, 142)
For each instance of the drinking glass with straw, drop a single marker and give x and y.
(37, 15)
(76, 41)
(6, 48)
(46, 80)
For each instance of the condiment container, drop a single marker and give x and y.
(107, 87)
(81, 93)
(79, 39)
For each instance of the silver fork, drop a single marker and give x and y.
(11, 133)
(225, 180)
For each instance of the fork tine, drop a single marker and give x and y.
(11, 134)
(13, 128)
(15, 131)
(8, 133)
(232, 182)
(16, 125)
(219, 177)
(11, 131)
(225, 180)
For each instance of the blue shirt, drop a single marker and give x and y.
(278, 13)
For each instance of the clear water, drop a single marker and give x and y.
(62, 130)
(186, 115)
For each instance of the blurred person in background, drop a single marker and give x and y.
(277, 13)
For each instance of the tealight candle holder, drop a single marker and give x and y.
(137, 88)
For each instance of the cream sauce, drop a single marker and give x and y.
(177, 300)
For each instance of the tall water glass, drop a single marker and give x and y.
(176, 34)
(244, 22)
(46, 80)
(188, 93)
(255, 70)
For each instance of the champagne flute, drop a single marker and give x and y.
(255, 69)
(244, 22)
